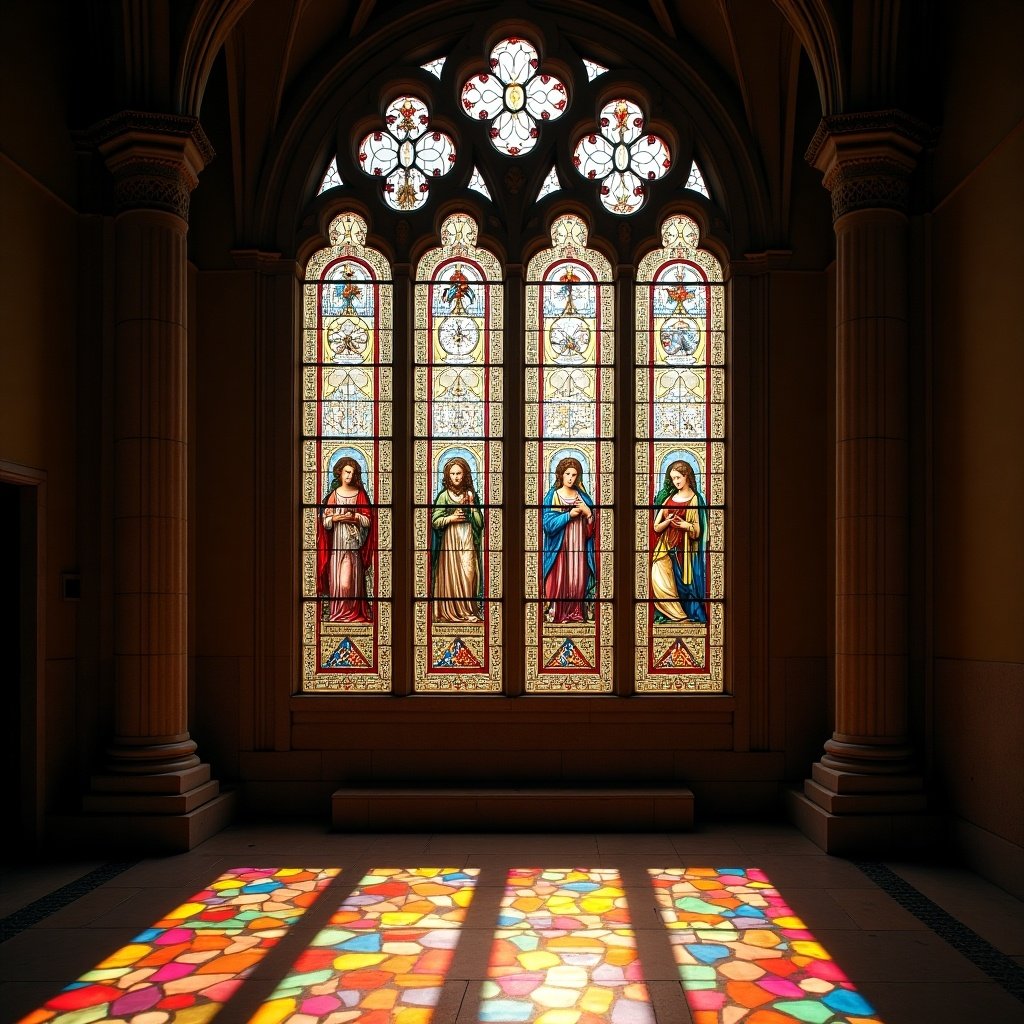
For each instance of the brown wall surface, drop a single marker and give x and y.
(978, 425)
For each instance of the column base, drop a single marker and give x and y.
(168, 813)
(848, 814)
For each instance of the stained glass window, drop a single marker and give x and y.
(477, 183)
(680, 464)
(434, 66)
(331, 179)
(695, 181)
(569, 459)
(406, 153)
(346, 462)
(551, 184)
(514, 96)
(593, 69)
(622, 157)
(458, 454)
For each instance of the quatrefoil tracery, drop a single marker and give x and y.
(622, 156)
(514, 96)
(407, 153)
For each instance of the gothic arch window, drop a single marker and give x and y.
(577, 381)
(680, 464)
(570, 440)
(458, 427)
(346, 458)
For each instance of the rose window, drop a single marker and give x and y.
(513, 97)
(622, 157)
(407, 153)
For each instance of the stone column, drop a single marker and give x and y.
(154, 772)
(866, 778)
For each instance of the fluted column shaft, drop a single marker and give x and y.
(867, 161)
(155, 160)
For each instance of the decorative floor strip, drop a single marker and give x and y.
(384, 954)
(564, 952)
(744, 956)
(1001, 968)
(43, 907)
(189, 963)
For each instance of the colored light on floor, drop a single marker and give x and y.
(564, 952)
(384, 954)
(185, 967)
(743, 954)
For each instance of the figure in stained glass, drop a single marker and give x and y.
(346, 542)
(457, 526)
(677, 565)
(458, 291)
(570, 565)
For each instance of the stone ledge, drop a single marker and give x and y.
(404, 809)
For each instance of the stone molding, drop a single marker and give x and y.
(155, 159)
(867, 159)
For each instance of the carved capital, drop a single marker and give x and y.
(867, 159)
(155, 159)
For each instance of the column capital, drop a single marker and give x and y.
(867, 158)
(155, 158)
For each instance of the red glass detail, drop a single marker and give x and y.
(437, 136)
(423, 186)
(534, 133)
(513, 150)
(650, 175)
(545, 116)
(493, 133)
(639, 190)
(494, 63)
(638, 122)
(545, 79)
(592, 175)
(575, 161)
(483, 115)
(592, 139)
(604, 123)
(362, 158)
(604, 189)
(377, 136)
(561, 103)
(534, 64)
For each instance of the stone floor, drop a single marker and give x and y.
(923, 944)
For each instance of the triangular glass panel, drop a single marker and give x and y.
(593, 69)
(476, 181)
(434, 66)
(332, 179)
(696, 181)
(551, 184)
(457, 655)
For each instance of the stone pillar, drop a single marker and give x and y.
(153, 774)
(865, 781)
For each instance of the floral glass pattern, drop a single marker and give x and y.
(622, 157)
(514, 96)
(407, 153)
